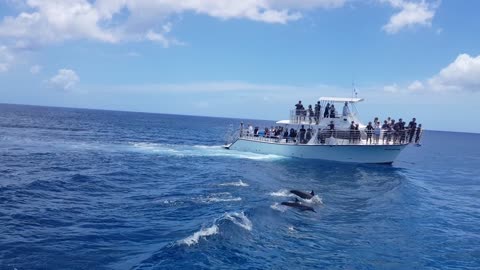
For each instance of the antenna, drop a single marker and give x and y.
(354, 90)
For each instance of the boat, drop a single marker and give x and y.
(325, 136)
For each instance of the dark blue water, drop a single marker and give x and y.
(86, 189)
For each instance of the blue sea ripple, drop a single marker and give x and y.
(90, 189)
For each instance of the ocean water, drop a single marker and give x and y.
(87, 189)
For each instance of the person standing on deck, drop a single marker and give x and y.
(302, 134)
(378, 132)
(299, 110)
(332, 111)
(327, 111)
(418, 134)
(412, 127)
(369, 130)
(310, 113)
(346, 110)
(351, 133)
(318, 108)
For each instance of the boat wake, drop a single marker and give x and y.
(198, 151)
(237, 218)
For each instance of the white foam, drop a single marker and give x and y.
(240, 183)
(282, 193)
(278, 207)
(204, 232)
(239, 219)
(314, 200)
(236, 199)
(286, 193)
(236, 218)
(219, 197)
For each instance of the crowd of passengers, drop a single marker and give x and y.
(389, 132)
(315, 113)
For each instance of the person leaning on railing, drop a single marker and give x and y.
(418, 133)
(369, 130)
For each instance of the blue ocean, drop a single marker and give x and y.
(92, 189)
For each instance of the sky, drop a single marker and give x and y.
(251, 59)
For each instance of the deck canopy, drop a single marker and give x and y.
(340, 99)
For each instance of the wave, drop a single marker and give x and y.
(237, 218)
(240, 183)
(204, 232)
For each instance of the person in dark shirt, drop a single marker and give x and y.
(293, 135)
(327, 111)
(402, 132)
(331, 128)
(412, 127)
(308, 136)
(332, 111)
(302, 134)
(310, 114)
(418, 133)
(299, 110)
(351, 134)
(318, 108)
(369, 130)
(255, 132)
(356, 137)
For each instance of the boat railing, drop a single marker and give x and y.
(340, 137)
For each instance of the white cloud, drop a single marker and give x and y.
(6, 59)
(65, 79)
(56, 21)
(393, 88)
(461, 75)
(35, 69)
(410, 14)
(415, 86)
(43, 22)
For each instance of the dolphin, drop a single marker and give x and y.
(303, 195)
(299, 206)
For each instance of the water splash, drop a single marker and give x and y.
(282, 193)
(219, 197)
(237, 218)
(279, 207)
(204, 232)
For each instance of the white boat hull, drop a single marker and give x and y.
(344, 153)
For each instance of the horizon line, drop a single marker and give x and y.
(176, 114)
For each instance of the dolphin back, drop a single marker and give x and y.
(301, 194)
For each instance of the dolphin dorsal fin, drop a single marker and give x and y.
(312, 193)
